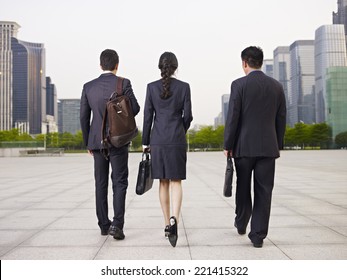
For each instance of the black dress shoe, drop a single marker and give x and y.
(116, 232)
(119, 234)
(257, 245)
(240, 231)
(104, 231)
(173, 231)
(112, 230)
(167, 231)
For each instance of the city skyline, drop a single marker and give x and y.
(207, 40)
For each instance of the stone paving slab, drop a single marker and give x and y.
(47, 211)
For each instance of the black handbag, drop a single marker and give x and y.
(144, 177)
(228, 181)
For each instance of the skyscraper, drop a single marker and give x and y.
(29, 86)
(51, 106)
(281, 71)
(8, 30)
(336, 99)
(340, 17)
(225, 107)
(330, 50)
(69, 115)
(302, 81)
(267, 67)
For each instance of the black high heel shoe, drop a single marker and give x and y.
(167, 231)
(173, 231)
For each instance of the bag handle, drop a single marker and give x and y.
(145, 156)
(104, 141)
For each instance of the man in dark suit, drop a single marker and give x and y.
(95, 94)
(253, 136)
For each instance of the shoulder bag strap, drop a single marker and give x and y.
(119, 89)
(103, 127)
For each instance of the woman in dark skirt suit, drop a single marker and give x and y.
(167, 117)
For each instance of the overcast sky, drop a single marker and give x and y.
(206, 36)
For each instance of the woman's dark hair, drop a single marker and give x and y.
(109, 59)
(167, 64)
(253, 56)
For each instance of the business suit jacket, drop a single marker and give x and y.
(256, 120)
(95, 94)
(170, 117)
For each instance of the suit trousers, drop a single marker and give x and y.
(263, 169)
(118, 160)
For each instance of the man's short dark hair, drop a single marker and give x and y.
(109, 59)
(253, 56)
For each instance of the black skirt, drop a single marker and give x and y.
(168, 162)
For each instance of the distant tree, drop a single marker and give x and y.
(52, 140)
(136, 143)
(320, 135)
(67, 140)
(24, 137)
(14, 135)
(301, 134)
(219, 136)
(204, 137)
(341, 139)
(190, 136)
(289, 137)
(78, 140)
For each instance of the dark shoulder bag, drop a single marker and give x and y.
(120, 119)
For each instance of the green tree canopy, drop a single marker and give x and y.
(341, 139)
(14, 135)
(320, 135)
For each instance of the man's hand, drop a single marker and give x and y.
(226, 153)
(90, 152)
(146, 149)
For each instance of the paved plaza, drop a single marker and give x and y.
(47, 211)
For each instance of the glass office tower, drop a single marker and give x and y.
(51, 106)
(29, 86)
(302, 81)
(51, 98)
(69, 115)
(340, 17)
(8, 30)
(330, 50)
(225, 107)
(267, 67)
(281, 71)
(336, 99)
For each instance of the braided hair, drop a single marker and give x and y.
(167, 64)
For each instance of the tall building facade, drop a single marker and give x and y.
(225, 107)
(330, 50)
(340, 17)
(281, 71)
(218, 120)
(267, 67)
(51, 98)
(336, 99)
(69, 115)
(302, 81)
(7, 31)
(29, 86)
(51, 106)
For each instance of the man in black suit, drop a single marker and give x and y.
(253, 136)
(95, 94)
